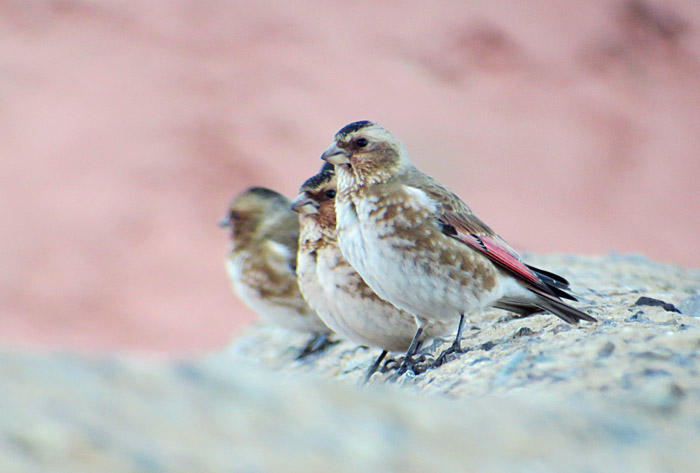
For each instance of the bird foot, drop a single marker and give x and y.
(407, 364)
(317, 344)
(392, 364)
(415, 364)
(450, 354)
(375, 367)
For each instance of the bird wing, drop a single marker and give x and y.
(284, 234)
(283, 252)
(468, 229)
(458, 221)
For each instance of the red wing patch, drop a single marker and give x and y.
(491, 246)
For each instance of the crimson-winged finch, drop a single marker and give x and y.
(262, 262)
(335, 290)
(420, 247)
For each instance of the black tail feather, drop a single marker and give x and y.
(523, 310)
(563, 311)
(555, 283)
(547, 303)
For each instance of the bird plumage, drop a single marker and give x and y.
(419, 246)
(332, 286)
(262, 259)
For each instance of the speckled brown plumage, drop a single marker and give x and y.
(334, 289)
(419, 246)
(262, 259)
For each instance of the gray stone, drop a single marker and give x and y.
(690, 305)
(612, 396)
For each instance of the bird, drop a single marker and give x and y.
(420, 247)
(261, 263)
(333, 288)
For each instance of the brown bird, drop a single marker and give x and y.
(420, 247)
(335, 290)
(262, 262)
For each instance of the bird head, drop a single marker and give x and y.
(317, 196)
(256, 212)
(372, 152)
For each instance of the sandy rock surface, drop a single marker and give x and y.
(527, 395)
(632, 345)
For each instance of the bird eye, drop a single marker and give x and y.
(330, 193)
(362, 142)
(234, 215)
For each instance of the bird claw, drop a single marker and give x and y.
(407, 364)
(452, 353)
(415, 364)
(317, 344)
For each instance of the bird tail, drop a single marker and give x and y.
(562, 310)
(544, 302)
(547, 297)
(522, 309)
(556, 284)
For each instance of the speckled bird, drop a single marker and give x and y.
(420, 247)
(262, 262)
(335, 290)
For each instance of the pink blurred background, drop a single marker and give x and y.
(126, 126)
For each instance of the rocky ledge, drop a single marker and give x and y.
(530, 394)
(647, 334)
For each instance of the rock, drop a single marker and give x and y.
(548, 349)
(650, 301)
(690, 305)
(607, 349)
(620, 394)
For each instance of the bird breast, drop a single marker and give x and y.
(392, 240)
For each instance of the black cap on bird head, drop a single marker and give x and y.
(353, 127)
(324, 175)
(327, 168)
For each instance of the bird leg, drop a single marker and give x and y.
(375, 366)
(455, 347)
(408, 359)
(317, 344)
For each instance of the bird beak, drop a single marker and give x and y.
(336, 155)
(304, 205)
(225, 222)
